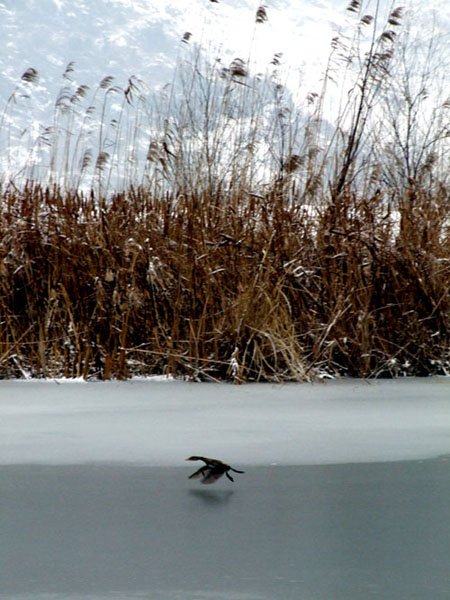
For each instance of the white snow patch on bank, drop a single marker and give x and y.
(159, 423)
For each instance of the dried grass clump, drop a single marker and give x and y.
(193, 287)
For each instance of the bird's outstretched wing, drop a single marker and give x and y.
(212, 476)
(202, 472)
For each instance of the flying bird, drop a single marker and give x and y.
(213, 470)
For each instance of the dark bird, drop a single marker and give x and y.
(213, 470)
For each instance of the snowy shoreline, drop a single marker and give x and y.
(159, 423)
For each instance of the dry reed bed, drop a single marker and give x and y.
(213, 287)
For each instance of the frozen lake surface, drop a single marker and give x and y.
(328, 532)
(159, 423)
(345, 495)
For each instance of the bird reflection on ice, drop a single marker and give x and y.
(213, 497)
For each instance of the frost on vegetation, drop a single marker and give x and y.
(298, 270)
(234, 365)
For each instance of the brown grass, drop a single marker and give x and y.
(206, 288)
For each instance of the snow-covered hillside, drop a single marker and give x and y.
(142, 39)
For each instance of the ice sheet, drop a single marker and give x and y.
(159, 423)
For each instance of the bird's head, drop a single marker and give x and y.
(194, 458)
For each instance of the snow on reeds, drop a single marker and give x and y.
(224, 233)
(195, 287)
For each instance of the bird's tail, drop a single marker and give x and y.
(236, 471)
